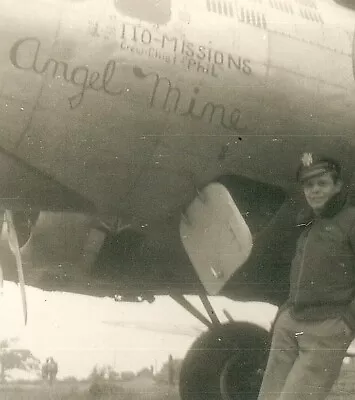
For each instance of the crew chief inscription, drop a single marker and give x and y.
(196, 57)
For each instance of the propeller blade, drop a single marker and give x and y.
(15, 248)
(1, 280)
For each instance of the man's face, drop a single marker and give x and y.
(320, 189)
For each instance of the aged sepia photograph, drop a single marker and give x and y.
(177, 199)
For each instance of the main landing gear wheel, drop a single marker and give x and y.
(225, 363)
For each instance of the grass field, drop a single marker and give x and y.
(138, 390)
(80, 391)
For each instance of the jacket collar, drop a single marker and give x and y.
(333, 207)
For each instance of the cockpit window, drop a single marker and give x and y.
(346, 3)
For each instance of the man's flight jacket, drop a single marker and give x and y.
(322, 278)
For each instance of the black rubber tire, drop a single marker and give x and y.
(226, 363)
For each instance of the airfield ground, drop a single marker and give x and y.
(139, 390)
(80, 391)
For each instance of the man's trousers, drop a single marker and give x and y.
(305, 358)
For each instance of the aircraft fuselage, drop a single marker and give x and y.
(135, 105)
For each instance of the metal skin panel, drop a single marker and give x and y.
(119, 113)
(91, 91)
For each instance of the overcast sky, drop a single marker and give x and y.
(81, 331)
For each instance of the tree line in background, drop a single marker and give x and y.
(16, 358)
(11, 358)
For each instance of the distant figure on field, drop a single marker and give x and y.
(171, 370)
(49, 370)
